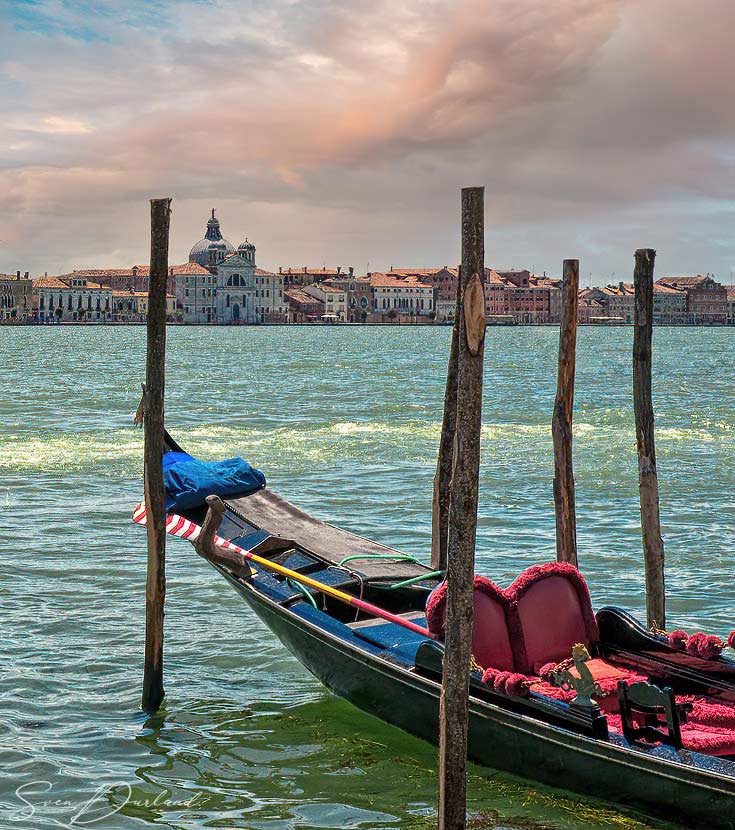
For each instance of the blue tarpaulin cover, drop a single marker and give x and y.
(188, 481)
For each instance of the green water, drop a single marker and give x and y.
(345, 422)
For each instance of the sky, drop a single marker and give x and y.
(340, 132)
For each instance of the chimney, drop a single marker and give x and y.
(17, 275)
(304, 269)
(339, 269)
(621, 286)
(280, 269)
(351, 270)
(26, 275)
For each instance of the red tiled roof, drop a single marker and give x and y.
(299, 296)
(314, 271)
(389, 279)
(139, 271)
(685, 281)
(64, 281)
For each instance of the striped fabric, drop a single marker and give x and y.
(179, 526)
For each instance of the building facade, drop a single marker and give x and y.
(302, 307)
(16, 297)
(706, 298)
(333, 297)
(521, 297)
(669, 305)
(71, 298)
(398, 298)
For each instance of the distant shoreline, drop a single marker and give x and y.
(121, 323)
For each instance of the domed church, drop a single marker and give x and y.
(213, 248)
(238, 292)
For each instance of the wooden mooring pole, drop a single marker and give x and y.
(443, 475)
(155, 494)
(454, 702)
(653, 545)
(561, 425)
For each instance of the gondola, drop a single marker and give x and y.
(593, 703)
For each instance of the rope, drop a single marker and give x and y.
(304, 590)
(406, 582)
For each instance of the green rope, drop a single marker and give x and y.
(401, 557)
(406, 582)
(304, 590)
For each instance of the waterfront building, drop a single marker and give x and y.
(397, 296)
(196, 297)
(16, 297)
(731, 306)
(333, 297)
(706, 298)
(302, 307)
(359, 296)
(591, 310)
(71, 298)
(132, 306)
(522, 296)
(621, 301)
(669, 305)
(212, 248)
(307, 276)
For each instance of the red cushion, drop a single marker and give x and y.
(554, 612)
(491, 645)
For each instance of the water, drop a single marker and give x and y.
(345, 422)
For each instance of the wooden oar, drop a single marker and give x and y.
(185, 529)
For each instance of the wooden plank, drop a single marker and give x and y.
(653, 545)
(454, 701)
(561, 424)
(443, 475)
(153, 420)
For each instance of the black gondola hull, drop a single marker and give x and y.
(655, 781)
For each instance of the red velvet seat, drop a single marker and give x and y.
(491, 645)
(553, 611)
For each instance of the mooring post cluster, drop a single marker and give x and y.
(456, 482)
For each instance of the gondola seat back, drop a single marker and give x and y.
(491, 643)
(552, 611)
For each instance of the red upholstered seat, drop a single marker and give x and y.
(718, 741)
(553, 611)
(491, 645)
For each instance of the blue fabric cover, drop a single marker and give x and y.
(188, 481)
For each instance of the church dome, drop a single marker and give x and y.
(246, 246)
(213, 248)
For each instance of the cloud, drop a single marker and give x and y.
(592, 123)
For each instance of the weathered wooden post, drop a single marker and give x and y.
(561, 424)
(155, 494)
(453, 709)
(653, 545)
(443, 475)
